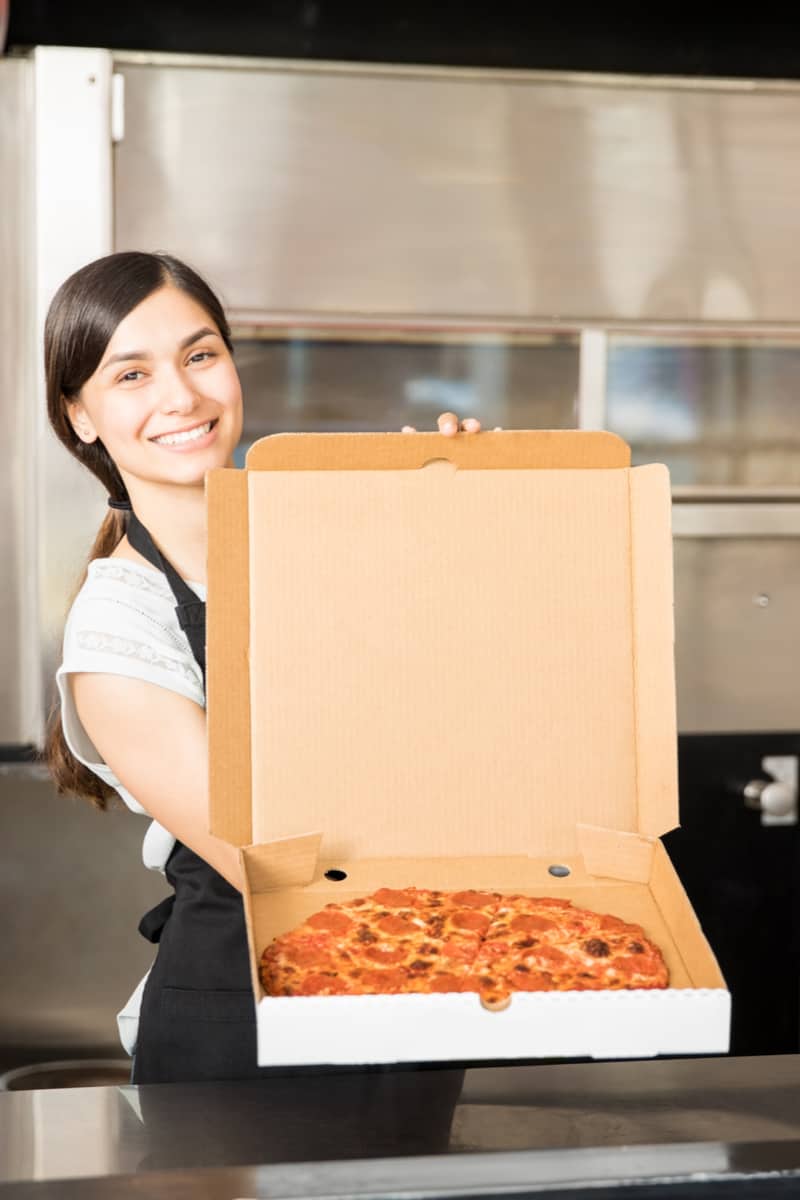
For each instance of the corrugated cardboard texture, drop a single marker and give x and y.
(512, 449)
(615, 853)
(228, 691)
(653, 647)
(292, 862)
(227, 657)
(445, 660)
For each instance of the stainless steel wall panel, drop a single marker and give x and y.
(72, 890)
(73, 183)
(737, 636)
(466, 194)
(20, 717)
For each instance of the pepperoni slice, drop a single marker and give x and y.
(445, 981)
(495, 949)
(469, 919)
(532, 981)
(377, 955)
(472, 899)
(396, 925)
(383, 981)
(457, 951)
(316, 984)
(330, 920)
(306, 954)
(528, 923)
(552, 955)
(609, 922)
(391, 898)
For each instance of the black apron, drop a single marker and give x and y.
(197, 1019)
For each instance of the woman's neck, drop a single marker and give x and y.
(175, 517)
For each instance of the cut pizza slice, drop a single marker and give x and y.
(541, 944)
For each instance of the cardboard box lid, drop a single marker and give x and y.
(422, 646)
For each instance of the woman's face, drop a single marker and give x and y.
(165, 399)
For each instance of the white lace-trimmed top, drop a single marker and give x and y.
(123, 622)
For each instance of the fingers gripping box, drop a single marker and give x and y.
(449, 663)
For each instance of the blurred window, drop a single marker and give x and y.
(719, 413)
(302, 381)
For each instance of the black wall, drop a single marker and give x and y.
(525, 36)
(743, 881)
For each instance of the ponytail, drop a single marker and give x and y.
(70, 776)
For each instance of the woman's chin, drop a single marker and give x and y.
(190, 470)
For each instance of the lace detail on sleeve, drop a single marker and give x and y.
(140, 581)
(108, 643)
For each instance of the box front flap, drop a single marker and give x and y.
(508, 450)
(444, 658)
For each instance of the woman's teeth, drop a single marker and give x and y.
(189, 435)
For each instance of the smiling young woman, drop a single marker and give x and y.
(143, 390)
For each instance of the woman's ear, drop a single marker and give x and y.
(80, 421)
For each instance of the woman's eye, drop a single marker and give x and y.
(201, 356)
(130, 376)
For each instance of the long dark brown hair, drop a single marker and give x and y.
(82, 318)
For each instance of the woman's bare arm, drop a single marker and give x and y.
(155, 742)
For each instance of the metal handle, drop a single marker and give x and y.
(775, 797)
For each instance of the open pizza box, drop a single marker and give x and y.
(448, 663)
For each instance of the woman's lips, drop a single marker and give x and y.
(191, 439)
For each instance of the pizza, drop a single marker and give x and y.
(424, 940)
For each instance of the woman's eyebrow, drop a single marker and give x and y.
(125, 356)
(205, 331)
(130, 355)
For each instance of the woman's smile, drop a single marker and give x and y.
(192, 437)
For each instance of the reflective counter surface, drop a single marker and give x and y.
(434, 1131)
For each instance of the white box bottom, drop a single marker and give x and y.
(339, 1030)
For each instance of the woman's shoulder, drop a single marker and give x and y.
(125, 610)
(116, 576)
(123, 622)
(118, 594)
(124, 581)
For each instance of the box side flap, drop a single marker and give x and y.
(653, 649)
(266, 872)
(513, 449)
(227, 672)
(442, 659)
(290, 862)
(616, 854)
(679, 915)
(254, 943)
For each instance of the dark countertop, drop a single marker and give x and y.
(428, 1131)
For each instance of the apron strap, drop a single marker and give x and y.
(191, 613)
(189, 608)
(152, 923)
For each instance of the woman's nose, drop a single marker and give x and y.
(176, 394)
